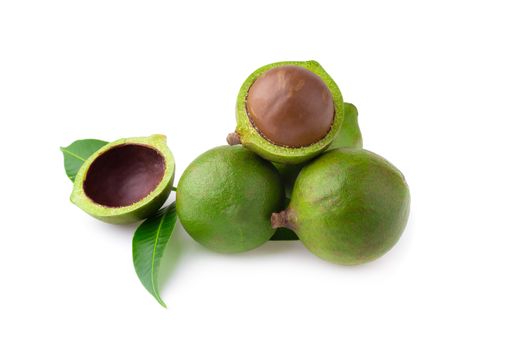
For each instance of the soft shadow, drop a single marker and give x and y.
(104, 227)
(172, 255)
(273, 248)
(128, 229)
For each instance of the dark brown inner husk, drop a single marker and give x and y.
(124, 175)
(290, 106)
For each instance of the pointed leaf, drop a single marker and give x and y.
(149, 243)
(76, 153)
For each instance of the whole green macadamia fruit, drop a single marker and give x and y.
(225, 199)
(349, 206)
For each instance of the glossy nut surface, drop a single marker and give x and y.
(290, 106)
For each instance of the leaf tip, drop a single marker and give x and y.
(162, 303)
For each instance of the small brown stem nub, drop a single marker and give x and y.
(233, 139)
(284, 218)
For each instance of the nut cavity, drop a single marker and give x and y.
(124, 175)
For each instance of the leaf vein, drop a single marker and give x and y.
(153, 286)
(65, 150)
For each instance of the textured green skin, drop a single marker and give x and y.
(349, 136)
(349, 206)
(137, 211)
(225, 199)
(250, 137)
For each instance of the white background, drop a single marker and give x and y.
(440, 89)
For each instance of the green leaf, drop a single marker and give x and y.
(149, 243)
(284, 234)
(76, 153)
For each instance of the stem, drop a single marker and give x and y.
(233, 139)
(285, 218)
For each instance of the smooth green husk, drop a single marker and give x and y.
(250, 137)
(350, 134)
(348, 206)
(139, 210)
(225, 199)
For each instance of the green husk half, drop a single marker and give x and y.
(250, 137)
(139, 210)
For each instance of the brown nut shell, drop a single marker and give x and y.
(290, 106)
